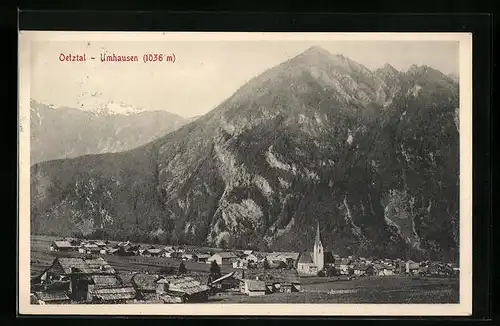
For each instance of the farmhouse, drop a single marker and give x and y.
(58, 297)
(61, 245)
(202, 258)
(113, 294)
(276, 280)
(75, 276)
(226, 282)
(183, 287)
(311, 263)
(363, 269)
(253, 287)
(223, 258)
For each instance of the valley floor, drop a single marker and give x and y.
(374, 289)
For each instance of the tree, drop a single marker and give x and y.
(182, 268)
(214, 269)
(266, 264)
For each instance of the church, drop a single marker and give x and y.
(311, 263)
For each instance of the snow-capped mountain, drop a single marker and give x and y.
(62, 132)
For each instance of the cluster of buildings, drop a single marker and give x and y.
(308, 263)
(93, 280)
(83, 280)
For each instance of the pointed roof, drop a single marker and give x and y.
(318, 240)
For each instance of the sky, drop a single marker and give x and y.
(204, 73)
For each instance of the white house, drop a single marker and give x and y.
(223, 258)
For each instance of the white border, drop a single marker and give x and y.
(462, 309)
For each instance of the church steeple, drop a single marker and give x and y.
(318, 239)
(318, 254)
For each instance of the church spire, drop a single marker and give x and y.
(318, 240)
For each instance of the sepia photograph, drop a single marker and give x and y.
(230, 171)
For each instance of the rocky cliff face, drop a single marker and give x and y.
(58, 133)
(372, 156)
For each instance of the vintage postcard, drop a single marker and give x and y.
(245, 173)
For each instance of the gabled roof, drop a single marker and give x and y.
(105, 280)
(154, 251)
(144, 282)
(114, 293)
(254, 285)
(183, 284)
(52, 296)
(67, 262)
(226, 254)
(62, 244)
(222, 278)
(306, 258)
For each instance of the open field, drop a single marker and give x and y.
(376, 289)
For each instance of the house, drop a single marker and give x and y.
(248, 252)
(412, 267)
(362, 270)
(187, 256)
(59, 297)
(61, 245)
(100, 244)
(253, 287)
(202, 258)
(109, 289)
(90, 248)
(124, 244)
(240, 263)
(181, 288)
(152, 252)
(113, 294)
(226, 282)
(344, 266)
(311, 263)
(276, 280)
(74, 276)
(383, 269)
(223, 258)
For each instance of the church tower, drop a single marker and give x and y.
(318, 253)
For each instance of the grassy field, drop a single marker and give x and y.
(41, 258)
(376, 289)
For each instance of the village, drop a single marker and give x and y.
(83, 271)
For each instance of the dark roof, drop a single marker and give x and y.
(184, 284)
(305, 258)
(52, 296)
(144, 282)
(66, 263)
(105, 280)
(126, 278)
(226, 254)
(114, 293)
(222, 278)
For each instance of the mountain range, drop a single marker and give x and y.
(373, 156)
(62, 132)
